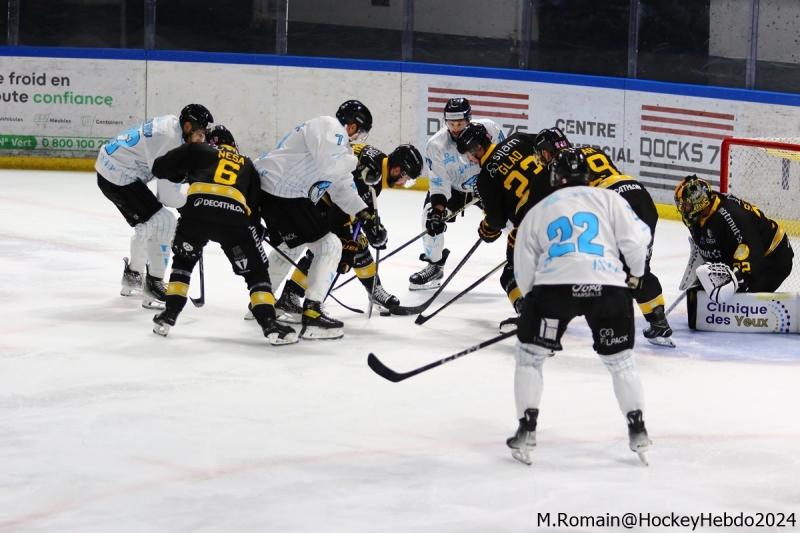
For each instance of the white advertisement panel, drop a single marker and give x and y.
(67, 107)
(749, 313)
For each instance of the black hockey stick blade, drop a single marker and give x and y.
(405, 311)
(353, 309)
(421, 319)
(387, 373)
(201, 301)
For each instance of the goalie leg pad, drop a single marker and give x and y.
(695, 260)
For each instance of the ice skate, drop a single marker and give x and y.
(383, 300)
(658, 332)
(431, 276)
(249, 315)
(163, 321)
(639, 442)
(289, 308)
(524, 440)
(131, 281)
(317, 325)
(279, 334)
(154, 293)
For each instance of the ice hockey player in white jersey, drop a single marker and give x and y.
(451, 187)
(123, 171)
(567, 263)
(313, 159)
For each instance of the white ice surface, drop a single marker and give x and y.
(106, 427)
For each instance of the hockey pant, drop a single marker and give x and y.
(434, 244)
(242, 247)
(326, 254)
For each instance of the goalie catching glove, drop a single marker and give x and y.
(373, 229)
(487, 234)
(719, 281)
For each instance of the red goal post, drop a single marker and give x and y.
(766, 173)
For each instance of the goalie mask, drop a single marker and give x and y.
(692, 197)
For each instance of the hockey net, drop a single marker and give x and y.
(766, 173)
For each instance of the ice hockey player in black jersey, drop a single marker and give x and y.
(744, 250)
(603, 174)
(399, 169)
(222, 206)
(511, 180)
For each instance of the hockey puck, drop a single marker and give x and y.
(386, 313)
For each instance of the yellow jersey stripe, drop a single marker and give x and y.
(224, 191)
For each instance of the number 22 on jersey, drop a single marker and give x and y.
(562, 229)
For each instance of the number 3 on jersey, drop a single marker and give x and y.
(562, 229)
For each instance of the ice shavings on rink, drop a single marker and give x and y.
(105, 426)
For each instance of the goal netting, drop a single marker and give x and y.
(766, 172)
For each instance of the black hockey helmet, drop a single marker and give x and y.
(569, 167)
(197, 115)
(553, 140)
(408, 158)
(220, 135)
(457, 109)
(692, 197)
(354, 112)
(473, 135)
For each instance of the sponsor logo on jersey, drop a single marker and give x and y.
(586, 291)
(318, 190)
(208, 202)
(607, 337)
(729, 219)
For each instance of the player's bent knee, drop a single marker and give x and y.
(328, 246)
(531, 355)
(620, 362)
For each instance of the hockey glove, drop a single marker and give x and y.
(487, 234)
(435, 223)
(349, 249)
(634, 283)
(373, 229)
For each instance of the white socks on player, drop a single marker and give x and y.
(279, 267)
(327, 253)
(528, 381)
(627, 383)
(155, 239)
(138, 255)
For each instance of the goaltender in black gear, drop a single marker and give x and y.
(222, 206)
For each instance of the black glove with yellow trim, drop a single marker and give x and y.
(487, 233)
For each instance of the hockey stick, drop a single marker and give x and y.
(675, 303)
(422, 319)
(387, 373)
(353, 309)
(411, 241)
(377, 256)
(405, 311)
(200, 302)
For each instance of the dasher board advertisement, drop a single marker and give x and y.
(67, 107)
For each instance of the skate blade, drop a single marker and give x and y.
(249, 315)
(276, 340)
(161, 329)
(288, 318)
(643, 458)
(505, 328)
(425, 286)
(153, 304)
(523, 456)
(662, 341)
(130, 292)
(313, 333)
